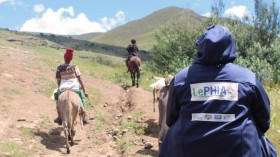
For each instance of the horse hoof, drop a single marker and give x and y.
(68, 151)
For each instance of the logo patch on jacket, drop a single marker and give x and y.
(214, 91)
(213, 117)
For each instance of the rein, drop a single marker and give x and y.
(92, 105)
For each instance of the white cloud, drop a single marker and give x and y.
(38, 8)
(64, 22)
(108, 23)
(238, 12)
(207, 14)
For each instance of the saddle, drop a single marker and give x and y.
(135, 58)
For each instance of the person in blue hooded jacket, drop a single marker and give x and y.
(216, 108)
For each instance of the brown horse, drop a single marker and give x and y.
(134, 68)
(69, 106)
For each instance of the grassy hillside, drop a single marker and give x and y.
(92, 46)
(144, 29)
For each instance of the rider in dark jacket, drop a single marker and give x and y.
(216, 108)
(132, 50)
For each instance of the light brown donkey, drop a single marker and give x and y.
(69, 106)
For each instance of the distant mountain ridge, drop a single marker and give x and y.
(143, 29)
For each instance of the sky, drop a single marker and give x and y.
(75, 17)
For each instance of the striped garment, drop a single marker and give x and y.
(68, 74)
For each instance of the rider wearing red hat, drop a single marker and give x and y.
(68, 77)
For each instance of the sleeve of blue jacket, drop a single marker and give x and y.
(172, 112)
(261, 108)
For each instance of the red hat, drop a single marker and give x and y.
(68, 55)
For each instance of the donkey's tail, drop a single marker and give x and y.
(70, 118)
(82, 114)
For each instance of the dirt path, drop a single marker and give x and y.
(27, 114)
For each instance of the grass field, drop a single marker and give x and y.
(274, 131)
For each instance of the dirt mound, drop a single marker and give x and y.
(121, 124)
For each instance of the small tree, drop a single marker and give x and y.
(266, 22)
(217, 8)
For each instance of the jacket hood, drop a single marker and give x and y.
(215, 46)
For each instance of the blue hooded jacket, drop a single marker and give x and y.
(217, 108)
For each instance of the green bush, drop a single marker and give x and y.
(175, 49)
(261, 67)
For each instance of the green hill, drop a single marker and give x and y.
(144, 29)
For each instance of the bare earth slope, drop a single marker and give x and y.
(27, 113)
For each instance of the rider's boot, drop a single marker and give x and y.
(127, 65)
(58, 119)
(84, 115)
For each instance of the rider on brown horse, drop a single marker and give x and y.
(132, 50)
